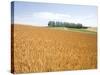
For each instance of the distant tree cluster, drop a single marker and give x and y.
(64, 24)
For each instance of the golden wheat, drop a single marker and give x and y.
(38, 49)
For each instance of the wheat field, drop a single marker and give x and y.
(40, 49)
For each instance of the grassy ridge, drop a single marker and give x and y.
(82, 30)
(74, 29)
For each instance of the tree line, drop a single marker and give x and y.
(65, 24)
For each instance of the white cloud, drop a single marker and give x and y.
(88, 20)
(51, 16)
(47, 16)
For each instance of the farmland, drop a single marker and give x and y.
(88, 30)
(42, 49)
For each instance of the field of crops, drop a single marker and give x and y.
(38, 49)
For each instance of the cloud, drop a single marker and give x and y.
(88, 20)
(51, 16)
(47, 16)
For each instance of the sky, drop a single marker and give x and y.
(38, 14)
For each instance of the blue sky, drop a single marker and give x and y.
(39, 14)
